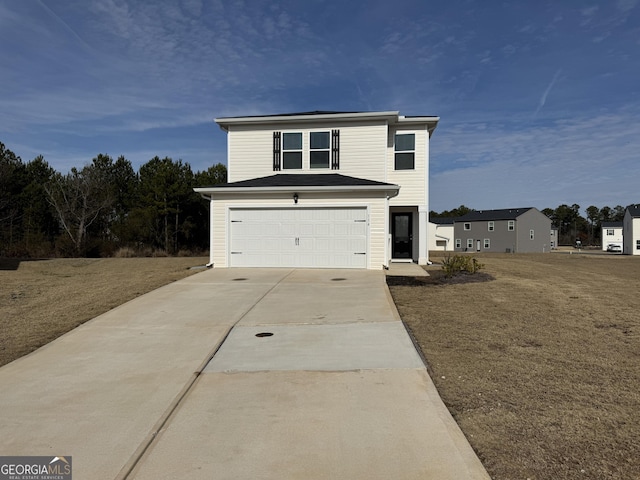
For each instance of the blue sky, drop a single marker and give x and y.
(539, 100)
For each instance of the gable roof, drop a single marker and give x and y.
(634, 210)
(483, 215)
(292, 182)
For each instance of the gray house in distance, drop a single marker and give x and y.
(512, 230)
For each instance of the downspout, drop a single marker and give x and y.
(385, 265)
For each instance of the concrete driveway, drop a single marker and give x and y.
(238, 374)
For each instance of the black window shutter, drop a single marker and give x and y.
(276, 151)
(335, 150)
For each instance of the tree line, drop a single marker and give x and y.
(103, 207)
(567, 219)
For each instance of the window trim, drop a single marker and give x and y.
(470, 243)
(637, 244)
(532, 234)
(511, 225)
(491, 226)
(487, 243)
(396, 151)
(458, 243)
(467, 226)
(327, 150)
(610, 232)
(300, 150)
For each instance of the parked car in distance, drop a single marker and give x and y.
(614, 248)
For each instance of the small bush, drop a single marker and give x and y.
(456, 264)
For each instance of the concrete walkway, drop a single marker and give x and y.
(238, 374)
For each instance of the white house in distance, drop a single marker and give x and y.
(612, 234)
(441, 234)
(322, 189)
(631, 230)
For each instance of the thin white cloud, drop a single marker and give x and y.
(545, 94)
(585, 160)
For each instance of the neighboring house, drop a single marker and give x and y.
(322, 189)
(631, 230)
(611, 234)
(440, 233)
(515, 230)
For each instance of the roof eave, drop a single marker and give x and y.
(431, 122)
(296, 189)
(226, 122)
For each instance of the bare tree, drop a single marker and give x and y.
(79, 198)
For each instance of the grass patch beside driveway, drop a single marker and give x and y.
(540, 363)
(41, 300)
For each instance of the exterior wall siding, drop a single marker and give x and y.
(540, 224)
(413, 183)
(501, 239)
(362, 150)
(617, 238)
(441, 237)
(376, 206)
(631, 233)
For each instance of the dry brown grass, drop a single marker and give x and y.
(41, 300)
(539, 362)
(540, 366)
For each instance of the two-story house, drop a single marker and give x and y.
(611, 234)
(322, 189)
(631, 230)
(512, 230)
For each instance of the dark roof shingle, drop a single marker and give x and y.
(504, 214)
(303, 180)
(634, 210)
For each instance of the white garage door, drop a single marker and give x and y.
(299, 237)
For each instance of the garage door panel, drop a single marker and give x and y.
(299, 237)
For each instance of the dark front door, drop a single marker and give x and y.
(401, 232)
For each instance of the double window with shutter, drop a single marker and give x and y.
(315, 150)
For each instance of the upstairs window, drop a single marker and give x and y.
(531, 234)
(610, 232)
(511, 226)
(405, 151)
(467, 226)
(319, 147)
(313, 150)
(490, 226)
(292, 151)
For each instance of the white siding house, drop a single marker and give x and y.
(631, 230)
(612, 234)
(322, 189)
(441, 234)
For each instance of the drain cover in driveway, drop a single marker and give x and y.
(353, 346)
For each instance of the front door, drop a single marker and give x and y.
(401, 232)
